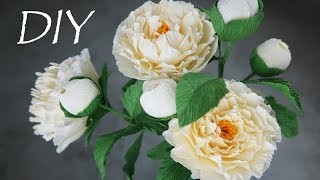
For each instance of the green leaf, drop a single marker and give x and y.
(170, 170)
(131, 99)
(160, 151)
(286, 118)
(103, 81)
(105, 143)
(92, 123)
(132, 156)
(236, 29)
(283, 86)
(196, 95)
(128, 84)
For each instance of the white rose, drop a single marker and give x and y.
(45, 108)
(159, 98)
(235, 140)
(237, 9)
(164, 40)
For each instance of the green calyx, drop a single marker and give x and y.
(260, 68)
(236, 29)
(91, 108)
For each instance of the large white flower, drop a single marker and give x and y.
(52, 123)
(164, 40)
(235, 140)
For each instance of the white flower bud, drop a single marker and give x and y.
(275, 54)
(237, 9)
(159, 98)
(77, 96)
(270, 58)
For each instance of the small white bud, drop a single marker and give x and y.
(159, 98)
(270, 58)
(237, 9)
(275, 54)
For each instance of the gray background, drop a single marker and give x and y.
(26, 156)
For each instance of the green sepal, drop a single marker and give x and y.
(236, 29)
(132, 156)
(170, 170)
(196, 95)
(260, 68)
(131, 99)
(286, 118)
(92, 122)
(105, 143)
(160, 151)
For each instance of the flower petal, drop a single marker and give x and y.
(158, 99)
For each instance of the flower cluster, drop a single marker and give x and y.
(213, 128)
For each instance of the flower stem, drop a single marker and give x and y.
(115, 112)
(214, 58)
(224, 58)
(249, 77)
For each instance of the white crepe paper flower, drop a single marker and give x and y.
(159, 98)
(237, 9)
(45, 108)
(164, 40)
(271, 58)
(235, 140)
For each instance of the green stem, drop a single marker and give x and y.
(223, 60)
(115, 112)
(130, 130)
(249, 77)
(220, 57)
(214, 58)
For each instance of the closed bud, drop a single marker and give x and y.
(270, 58)
(80, 97)
(236, 19)
(159, 98)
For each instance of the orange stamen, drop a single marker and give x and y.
(228, 130)
(162, 29)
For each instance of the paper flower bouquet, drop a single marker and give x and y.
(213, 128)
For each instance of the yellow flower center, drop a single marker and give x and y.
(228, 130)
(162, 29)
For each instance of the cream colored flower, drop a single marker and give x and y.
(164, 40)
(45, 108)
(235, 140)
(159, 98)
(237, 9)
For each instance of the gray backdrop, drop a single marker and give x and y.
(26, 156)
